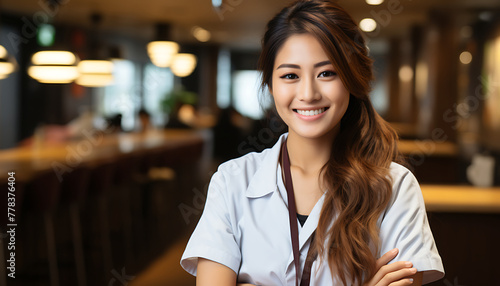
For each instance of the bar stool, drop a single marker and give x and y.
(100, 182)
(160, 180)
(179, 162)
(42, 196)
(74, 191)
(184, 159)
(123, 188)
(142, 200)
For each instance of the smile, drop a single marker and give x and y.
(310, 112)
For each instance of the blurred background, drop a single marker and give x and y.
(115, 114)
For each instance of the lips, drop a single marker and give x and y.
(310, 112)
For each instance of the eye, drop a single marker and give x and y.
(289, 76)
(327, 74)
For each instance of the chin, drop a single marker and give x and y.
(314, 134)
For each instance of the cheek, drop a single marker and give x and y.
(282, 93)
(337, 92)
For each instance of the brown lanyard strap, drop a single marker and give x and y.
(294, 229)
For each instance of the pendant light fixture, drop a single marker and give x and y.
(183, 64)
(164, 53)
(162, 50)
(97, 70)
(161, 53)
(95, 73)
(7, 63)
(53, 67)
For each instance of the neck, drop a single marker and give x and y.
(309, 155)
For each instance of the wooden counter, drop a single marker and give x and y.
(427, 148)
(90, 148)
(93, 148)
(461, 199)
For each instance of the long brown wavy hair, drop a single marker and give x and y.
(357, 173)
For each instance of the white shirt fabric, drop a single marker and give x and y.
(245, 225)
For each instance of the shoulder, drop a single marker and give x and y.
(405, 186)
(400, 174)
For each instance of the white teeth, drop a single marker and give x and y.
(310, 112)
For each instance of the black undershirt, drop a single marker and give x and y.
(302, 219)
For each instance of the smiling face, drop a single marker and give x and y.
(308, 94)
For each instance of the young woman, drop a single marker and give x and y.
(320, 206)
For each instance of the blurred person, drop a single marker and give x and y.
(328, 204)
(114, 123)
(227, 135)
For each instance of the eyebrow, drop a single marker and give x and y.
(293, 66)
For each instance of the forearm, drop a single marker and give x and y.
(210, 273)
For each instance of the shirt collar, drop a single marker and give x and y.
(264, 180)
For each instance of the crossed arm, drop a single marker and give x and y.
(399, 273)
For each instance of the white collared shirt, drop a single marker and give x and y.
(245, 225)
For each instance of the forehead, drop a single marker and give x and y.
(301, 49)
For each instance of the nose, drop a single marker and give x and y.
(308, 92)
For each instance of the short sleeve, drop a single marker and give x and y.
(405, 226)
(213, 237)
